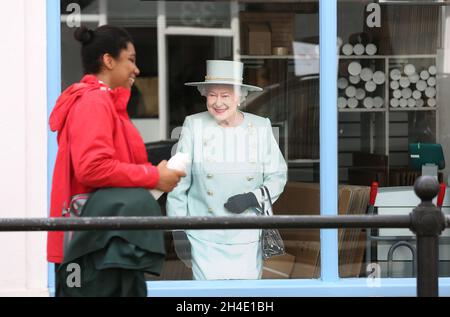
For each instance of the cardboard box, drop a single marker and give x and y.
(258, 76)
(281, 26)
(304, 244)
(278, 267)
(306, 252)
(259, 39)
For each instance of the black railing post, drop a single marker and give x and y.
(427, 222)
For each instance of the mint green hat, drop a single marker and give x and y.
(224, 73)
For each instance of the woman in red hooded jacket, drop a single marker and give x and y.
(98, 146)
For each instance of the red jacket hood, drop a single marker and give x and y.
(68, 98)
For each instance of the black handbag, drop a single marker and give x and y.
(271, 241)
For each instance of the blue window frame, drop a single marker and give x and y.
(329, 284)
(53, 91)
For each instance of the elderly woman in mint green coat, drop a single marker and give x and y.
(232, 154)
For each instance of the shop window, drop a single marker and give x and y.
(391, 95)
(268, 37)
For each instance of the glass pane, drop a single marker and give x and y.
(86, 6)
(291, 101)
(278, 46)
(71, 68)
(392, 89)
(268, 32)
(205, 14)
(132, 12)
(143, 105)
(187, 56)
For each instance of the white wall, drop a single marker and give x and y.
(23, 145)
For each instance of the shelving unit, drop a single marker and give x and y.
(373, 124)
(250, 57)
(354, 136)
(387, 59)
(395, 147)
(362, 110)
(414, 109)
(305, 161)
(386, 56)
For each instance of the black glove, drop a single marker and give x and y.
(239, 203)
(182, 247)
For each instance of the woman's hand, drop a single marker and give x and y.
(239, 203)
(168, 178)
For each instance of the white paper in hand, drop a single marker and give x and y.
(177, 162)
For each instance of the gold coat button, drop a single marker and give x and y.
(210, 210)
(250, 178)
(210, 193)
(209, 176)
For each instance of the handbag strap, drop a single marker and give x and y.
(268, 197)
(265, 195)
(263, 203)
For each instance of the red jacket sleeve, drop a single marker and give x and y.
(92, 148)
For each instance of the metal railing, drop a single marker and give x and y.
(426, 221)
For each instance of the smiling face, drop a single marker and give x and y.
(124, 71)
(222, 102)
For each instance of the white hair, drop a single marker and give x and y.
(243, 92)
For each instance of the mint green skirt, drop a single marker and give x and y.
(217, 261)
